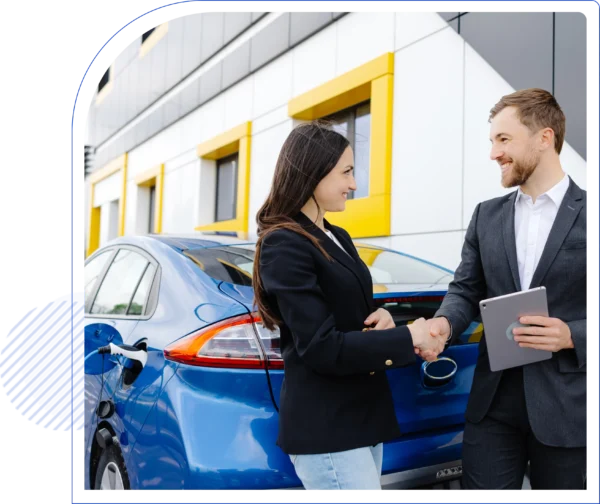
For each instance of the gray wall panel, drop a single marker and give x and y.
(128, 92)
(212, 33)
(570, 76)
(236, 65)
(174, 66)
(448, 15)
(111, 152)
(189, 97)
(140, 81)
(270, 42)
(210, 83)
(517, 45)
(192, 37)
(134, 69)
(257, 15)
(116, 116)
(143, 83)
(172, 110)
(103, 118)
(141, 131)
(133, 50)
(338, 12)
(525, 58)
(156, 121)
(235, 23)
(158, 63)
(454, 24)
(118, 147)
(304, 24)
(129, 140)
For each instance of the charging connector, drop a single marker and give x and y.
(128, 351)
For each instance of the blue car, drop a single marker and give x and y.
(200, 411)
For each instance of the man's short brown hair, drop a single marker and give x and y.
(537, 109)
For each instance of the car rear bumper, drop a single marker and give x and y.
(423, 476)
(422, 460)
(404, 480)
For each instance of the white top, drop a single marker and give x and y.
(331, 235)
(533, 222)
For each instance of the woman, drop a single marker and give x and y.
(336, 407)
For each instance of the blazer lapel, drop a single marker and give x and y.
(349, 260)
(565, 218)
(357, 266)
(508, 233)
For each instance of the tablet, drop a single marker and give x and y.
(500, 315)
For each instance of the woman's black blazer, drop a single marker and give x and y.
(335, 394)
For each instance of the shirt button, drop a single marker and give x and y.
(388, 362)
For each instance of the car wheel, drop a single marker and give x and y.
(111, 473)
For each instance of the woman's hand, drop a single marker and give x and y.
(382, 318)
(426, 346)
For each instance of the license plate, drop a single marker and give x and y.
(449, 472)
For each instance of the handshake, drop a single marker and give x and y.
(429, 336)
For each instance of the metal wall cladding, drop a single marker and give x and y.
(545, 50)
(189, 43)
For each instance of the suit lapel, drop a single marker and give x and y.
(565, 218)
(508, 233)
(349, 260)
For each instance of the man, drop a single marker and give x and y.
(532, 237)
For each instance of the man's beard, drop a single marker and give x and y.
(520, 170)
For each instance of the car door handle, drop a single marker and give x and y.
(438, 373)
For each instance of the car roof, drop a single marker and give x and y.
(219, 239)
(205, 240)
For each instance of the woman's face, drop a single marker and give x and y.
(332, 192)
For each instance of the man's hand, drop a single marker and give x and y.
(425, 345)
(439, 330)
(382, 318)
(546, 333)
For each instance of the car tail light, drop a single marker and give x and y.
(239, 342)
(270, 341)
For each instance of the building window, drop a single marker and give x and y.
(150, 184)
(152, 37)
(105, 80)
(362, 102)
(148, 29)
(118, 164)
(355, 124)
(152, 209)
(227, 169)
(225, 176)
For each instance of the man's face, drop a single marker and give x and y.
(513, 148)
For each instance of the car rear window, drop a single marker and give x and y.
(233, 264)
(389, 267)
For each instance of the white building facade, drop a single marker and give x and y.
(187, 139)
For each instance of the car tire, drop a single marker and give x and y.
(111, 473)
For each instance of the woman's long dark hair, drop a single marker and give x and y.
(308, 154)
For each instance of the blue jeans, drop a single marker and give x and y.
(358, 469)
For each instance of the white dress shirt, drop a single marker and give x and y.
(335, 240)
(533, 222)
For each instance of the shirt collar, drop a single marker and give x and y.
(555, 193)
